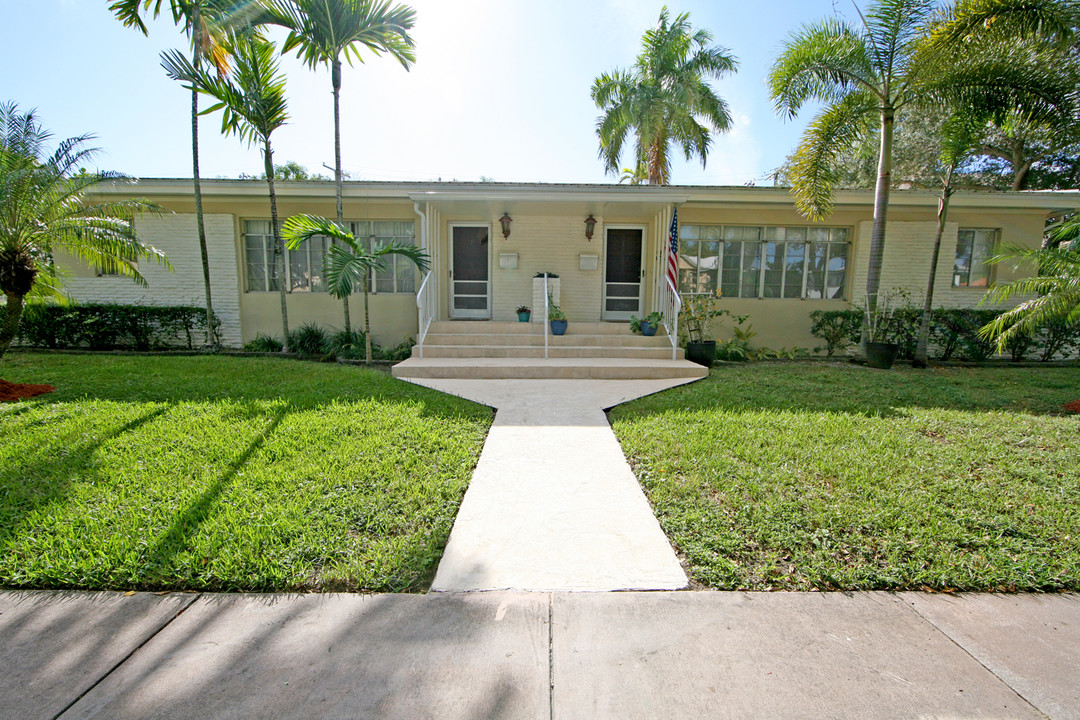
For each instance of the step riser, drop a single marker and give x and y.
(554, 352)
(508, 340)
(471, 327)
(540, 372)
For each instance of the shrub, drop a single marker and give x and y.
(837, 328)
(397, 353)
(1059, 337)
(346, 344)
(108, 326)
(263, 343)
(963, 325)
(310, 340)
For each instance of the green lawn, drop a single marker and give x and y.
(220, 473)
(800, 476)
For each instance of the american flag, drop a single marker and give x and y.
(673, 253)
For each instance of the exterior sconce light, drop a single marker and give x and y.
(590, 226)
(505, 221)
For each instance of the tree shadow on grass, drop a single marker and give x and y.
(185, 526)
(38, 480)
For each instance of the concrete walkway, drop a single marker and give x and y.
(553, 504)
(539, 655)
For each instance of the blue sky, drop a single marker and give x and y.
(500, 89)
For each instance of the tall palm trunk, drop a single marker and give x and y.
(922, 345)
(335, 77)
(367, 320)
(9, 323)
(279, 254)
(211, 335)
(881, 208)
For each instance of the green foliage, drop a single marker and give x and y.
(664, 99)
(263, 343)
(347, 344)
(696, 313)
(397, 353)
(837, 328)
(555, 312)
(310, 340)
(738, 348)
(228, 474)
(796, 477)
(109, 327)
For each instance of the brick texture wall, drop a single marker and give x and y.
(176, 235)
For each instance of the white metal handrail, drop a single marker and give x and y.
(425, 306)
(546, 321)
(671, 310)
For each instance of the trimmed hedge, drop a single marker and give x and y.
(113, 327)
(954, 334)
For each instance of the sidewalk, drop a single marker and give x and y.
(539, 655)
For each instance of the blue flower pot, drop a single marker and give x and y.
(647, 329)
(524, 316)
(558, 327)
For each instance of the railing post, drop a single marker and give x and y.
(545, 320)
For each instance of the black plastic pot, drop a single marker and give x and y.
(881, 355)
(701, 352)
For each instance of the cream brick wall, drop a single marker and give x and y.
(176, 235)
(552, 243)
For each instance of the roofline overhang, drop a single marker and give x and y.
(686, 195)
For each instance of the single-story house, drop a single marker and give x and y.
(607, 243)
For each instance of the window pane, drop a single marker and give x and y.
(299, 278)
(965, 241)
(793, 267)
(406, 276)
(837, 274)
(815, 268)
(796, 234)
(774, 270)
(688, 232)
(819, 234)
(751, 269)
(729, 264)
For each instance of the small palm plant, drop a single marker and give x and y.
(253, 106)
(1056, 288)
(44, 206)
(348, 264)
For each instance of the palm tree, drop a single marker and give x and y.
(348, 263)
(44, 206)
(960, 135)
(904, 52)
(204, 22)
(1056, 288)
(253, 106)
(664, 98)
(322, 31)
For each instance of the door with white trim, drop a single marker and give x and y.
(624, 272)
(470, 275)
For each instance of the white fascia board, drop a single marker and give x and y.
(537, 195)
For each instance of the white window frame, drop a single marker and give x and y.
(995, 235)
(763, 234)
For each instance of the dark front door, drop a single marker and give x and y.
(623, 273)
(469, 294)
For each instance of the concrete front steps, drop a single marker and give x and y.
(508, 350)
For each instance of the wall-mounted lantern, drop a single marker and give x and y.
(590, 226)
(505, 221)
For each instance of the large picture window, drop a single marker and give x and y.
(304, 266)
(763, 262)
(974, 247)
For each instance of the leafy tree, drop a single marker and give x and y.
(252, 101)
(322, 31)
(293, 170)
(905, 52)
(45, 205)
(348, 263)
(205, 23)
(1056, 287)
(664, 98)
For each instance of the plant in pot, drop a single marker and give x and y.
(882, 328)
(694, 317)
(647, 325)
(557, 318)
(524, 313)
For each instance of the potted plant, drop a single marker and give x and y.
(696, 312)
(557, 318)
(882, 329)
(647, 325)
(524, 312)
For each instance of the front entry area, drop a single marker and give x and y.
(470, 286)
(624, 251)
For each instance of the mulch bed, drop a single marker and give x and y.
(10, 392)
(1073, 407)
